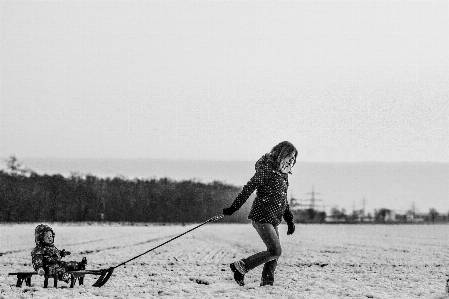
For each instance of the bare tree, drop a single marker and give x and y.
(15, 167)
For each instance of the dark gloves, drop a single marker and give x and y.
(229, 211)
(291, 228)
(65, 253)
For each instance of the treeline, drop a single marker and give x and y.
(309, 216)
(387, 216)
(26, 196)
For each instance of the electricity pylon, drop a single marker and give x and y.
(312, 198)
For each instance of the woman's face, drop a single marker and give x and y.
(287, 163)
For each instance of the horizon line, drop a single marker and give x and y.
(3, 158)
(236, 160)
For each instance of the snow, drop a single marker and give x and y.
(318, 261)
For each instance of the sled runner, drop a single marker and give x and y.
(74, 276)
(106, 273)
(24, 277)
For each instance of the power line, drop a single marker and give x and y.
(311, 203)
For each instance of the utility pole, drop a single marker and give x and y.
(312, 198)
(364, 206)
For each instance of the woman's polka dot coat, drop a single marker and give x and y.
(270, 204)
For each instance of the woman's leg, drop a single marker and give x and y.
(269, 235)
(269, 268)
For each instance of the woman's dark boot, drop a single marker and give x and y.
(266, 283)
(238, 276)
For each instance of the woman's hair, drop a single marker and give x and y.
(282, 150)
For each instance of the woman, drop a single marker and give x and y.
(269, 206)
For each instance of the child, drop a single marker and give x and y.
(46, 258)
(269, 206)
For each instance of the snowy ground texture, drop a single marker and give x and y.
(318, 261)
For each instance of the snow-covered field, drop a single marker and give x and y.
(318, 261)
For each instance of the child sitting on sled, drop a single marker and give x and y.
(47, 259)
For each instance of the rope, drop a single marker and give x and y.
(215, 218)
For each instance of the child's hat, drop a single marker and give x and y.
(40, 231)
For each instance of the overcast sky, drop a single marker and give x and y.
(225, 80)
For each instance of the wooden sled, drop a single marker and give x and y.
(74, 276)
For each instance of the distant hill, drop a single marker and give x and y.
(382, 184)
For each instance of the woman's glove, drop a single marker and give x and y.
(291, 228)
(228, 211)
(41, 271)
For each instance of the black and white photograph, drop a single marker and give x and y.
(224, 149)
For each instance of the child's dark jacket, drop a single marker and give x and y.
(270, 204)
(45, 254)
